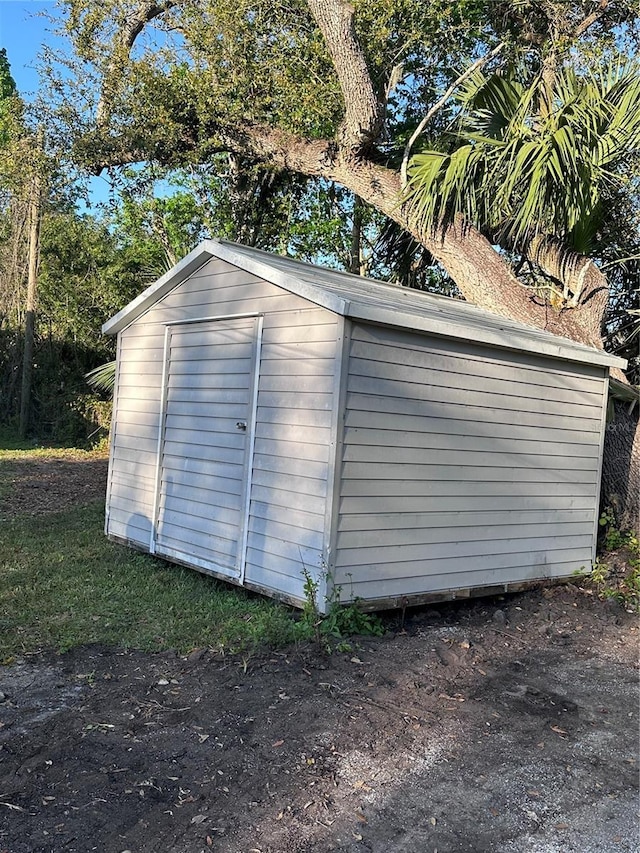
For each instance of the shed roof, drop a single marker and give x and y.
(366, 299)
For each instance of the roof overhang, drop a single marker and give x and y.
(473, 324)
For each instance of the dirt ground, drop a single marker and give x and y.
(53, 484)
(506, 724)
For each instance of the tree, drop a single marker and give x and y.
(545, 168)
(35, 217)
(332, 91)
(21, 177)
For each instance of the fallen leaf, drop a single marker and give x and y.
(361, 817)
(356, 660)
(199, 818)
(558, 730)
(432, 821)
(561, 826)
(357, 836)
(277, 743)
(280, 815)
(361, 786)
(209, 841)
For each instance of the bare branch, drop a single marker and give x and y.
(584, 25)
(395, 78)
(479, 63)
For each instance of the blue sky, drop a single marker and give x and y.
(22, 33)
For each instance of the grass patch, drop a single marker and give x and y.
(62, 584)
(44, 454)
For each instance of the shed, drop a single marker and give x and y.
(275, 421)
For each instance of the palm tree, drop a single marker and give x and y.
(547, 168)
(527, 162)
(103, 377)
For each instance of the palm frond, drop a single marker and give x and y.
(522, 170)
(102, 378)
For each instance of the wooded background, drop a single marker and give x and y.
(487, 151)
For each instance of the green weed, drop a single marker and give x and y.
(330, 630)
(616, 573)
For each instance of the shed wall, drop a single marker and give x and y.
(463, 467)
(295, 401)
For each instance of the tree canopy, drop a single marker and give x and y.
(332, 91)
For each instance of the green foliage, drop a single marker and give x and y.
(614, 538)
(202, 78)
(64, 410)
(103, 377)
(11, 108)
(88, 271)
(330, 630)
(7, 83)
(525, 160)
(222, 64)
(616, 574)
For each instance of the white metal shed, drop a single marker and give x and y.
(274, 419)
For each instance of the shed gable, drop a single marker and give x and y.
(290, 460)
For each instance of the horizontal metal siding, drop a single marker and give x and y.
(293, 423)
(463, 467)
(131, 476)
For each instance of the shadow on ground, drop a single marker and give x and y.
(497, 725)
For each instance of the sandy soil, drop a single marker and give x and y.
(506, 725)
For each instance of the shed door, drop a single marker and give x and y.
(205, 448)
